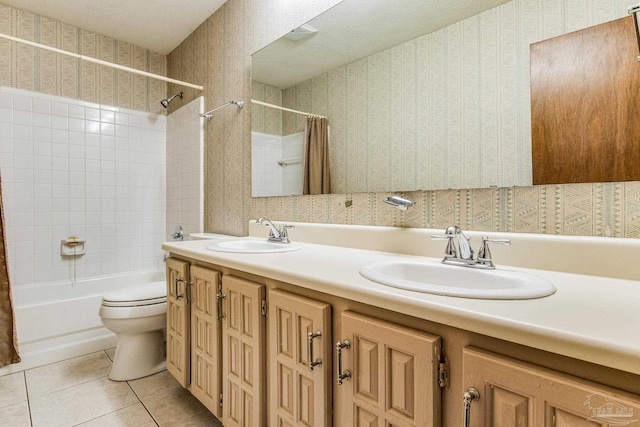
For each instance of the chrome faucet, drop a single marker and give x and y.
(178, 234)
(276, 235)
(463, 255)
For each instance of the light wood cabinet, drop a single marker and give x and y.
(299, 361)
(514, 393)
(246, 357)
(193, 330)
(394, 374)
(178, 322)
(205, 338)
(243, 360)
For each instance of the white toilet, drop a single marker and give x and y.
(138, 317)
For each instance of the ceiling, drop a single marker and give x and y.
(157, 25)
(355, 29)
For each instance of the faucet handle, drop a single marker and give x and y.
(484, 253)
(449, 234)
(284, 235)
(450, 250)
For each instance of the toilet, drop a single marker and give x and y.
(138, 317)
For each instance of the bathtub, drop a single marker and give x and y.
(59, 320)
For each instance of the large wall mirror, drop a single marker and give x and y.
(419, 95)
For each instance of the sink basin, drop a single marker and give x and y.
(440, 279)
(253, 246)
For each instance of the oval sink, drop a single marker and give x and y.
(252, 246)
(439, 279)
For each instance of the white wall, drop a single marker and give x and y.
(70, 167)
(185, 188)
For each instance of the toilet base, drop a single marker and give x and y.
(139, 355)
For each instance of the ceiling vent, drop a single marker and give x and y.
(301, 32)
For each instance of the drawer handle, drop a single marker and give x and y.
(469, 396)
(310, 337)
(346, 374)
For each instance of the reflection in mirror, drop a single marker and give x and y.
(310, 149)
(407, 111)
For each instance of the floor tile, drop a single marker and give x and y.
(131, 416)
(12, 389)
(111, 352)
(153, 384)
(81, 403)
(16, 415)
(178, 408)
(58, 376)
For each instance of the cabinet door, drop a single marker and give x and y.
(243, 367)
(298, 395)
(205, 338)
(178, 327)
(514, 393)
(394, 375)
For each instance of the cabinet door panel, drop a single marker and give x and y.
(243, 333)
(205, 338)
(394, 374)
(514, 393)
(178, 322)
(299, 396)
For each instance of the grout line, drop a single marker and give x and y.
(104, 415)
(143, 404)
(26, 389)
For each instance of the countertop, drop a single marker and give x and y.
(592, 318)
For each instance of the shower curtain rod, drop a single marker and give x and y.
(207, 115)
(100, 62)
(284, 109)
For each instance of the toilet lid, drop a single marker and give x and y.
(145, 294)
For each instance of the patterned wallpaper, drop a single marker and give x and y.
(265, 119)
(217, 55)
(29, 68)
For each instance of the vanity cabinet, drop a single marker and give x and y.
(514, 393)
(178, 322)
(241, 344)
(205, 337)
(193, 330)
(299, 361)
(243, 355)
(393, 374)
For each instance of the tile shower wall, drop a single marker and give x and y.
(268, 176)
(70, 167)
(29, 68)
(185, 143)
(218, 55)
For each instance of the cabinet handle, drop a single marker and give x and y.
(219, 297)
(310, 337)
(346, 374)
(177, 287)
(469, 396)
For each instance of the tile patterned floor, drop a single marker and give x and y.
(78, 392)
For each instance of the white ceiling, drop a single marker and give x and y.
(355, 29)
(157, 25)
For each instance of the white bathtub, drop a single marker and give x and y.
(59, 320)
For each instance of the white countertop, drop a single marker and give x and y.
(591, 318)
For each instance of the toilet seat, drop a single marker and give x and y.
(147, 294)
(145, 300)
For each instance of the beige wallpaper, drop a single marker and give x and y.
(217, 55)
(29, 68)
(266, 119)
